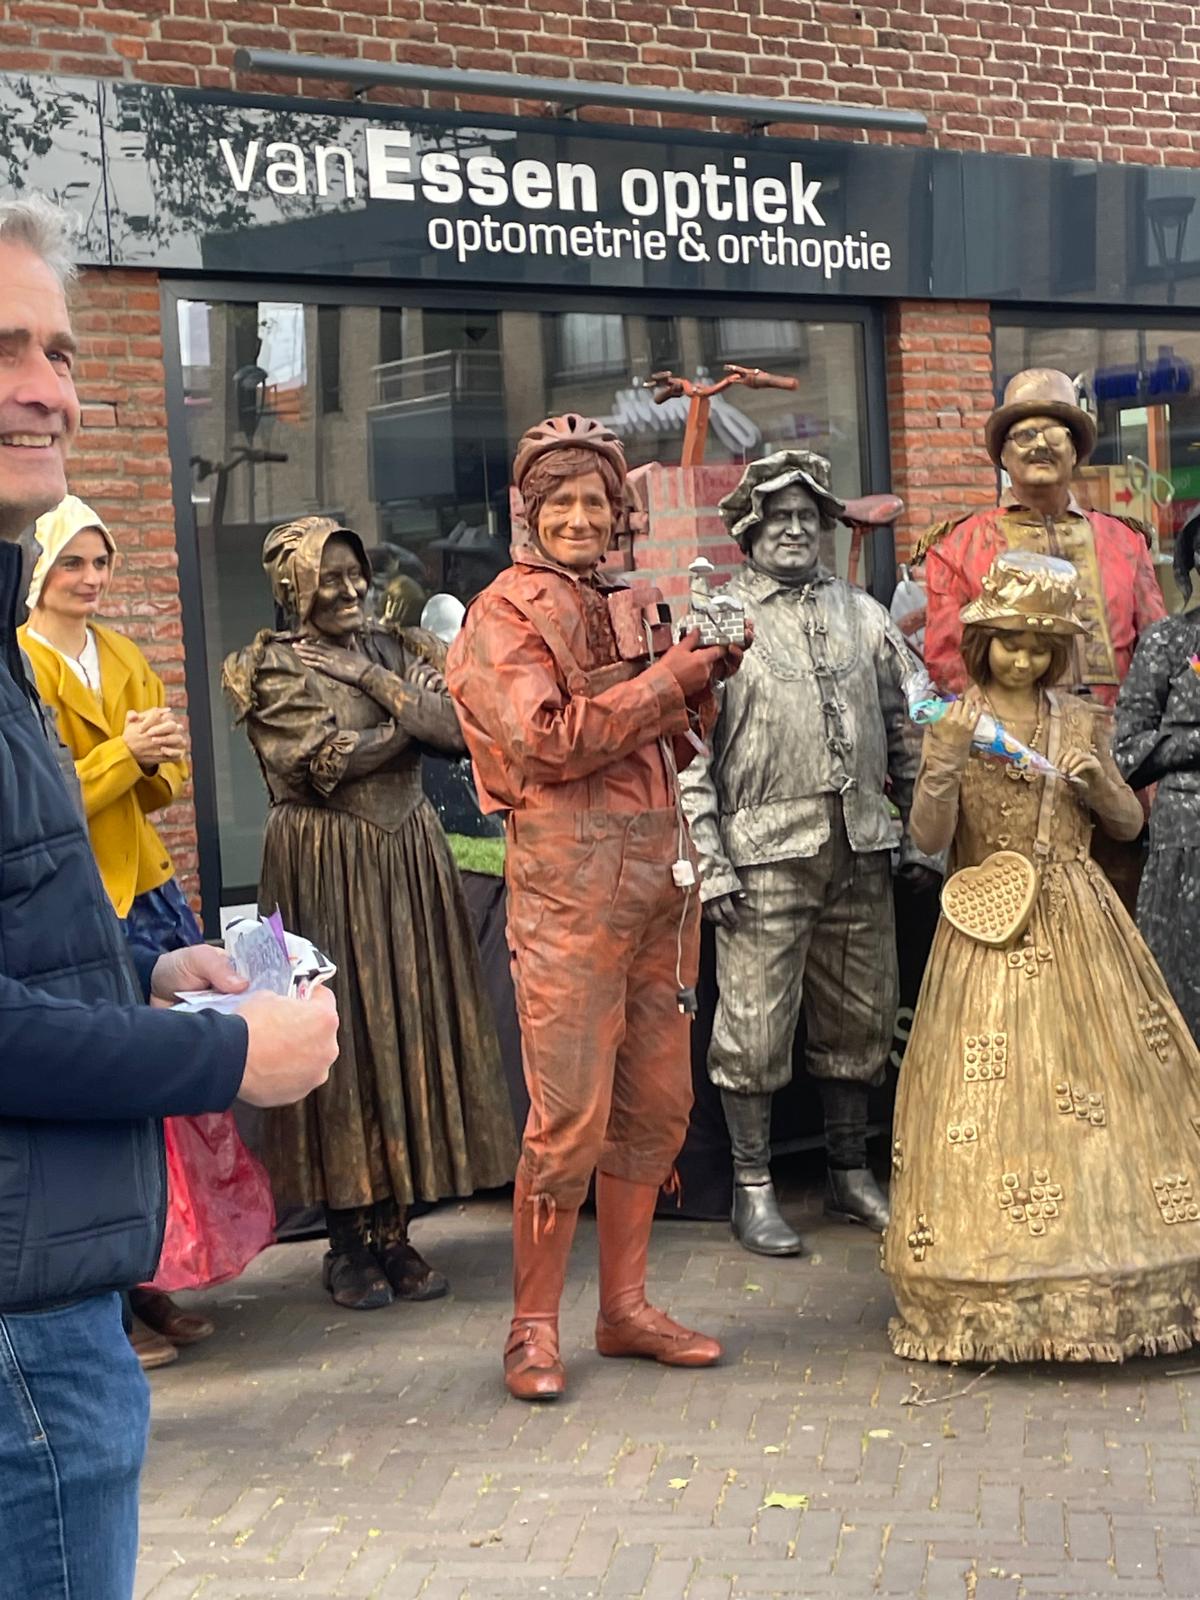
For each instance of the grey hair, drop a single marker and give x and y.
(46, 229)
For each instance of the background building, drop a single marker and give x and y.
(254, 350)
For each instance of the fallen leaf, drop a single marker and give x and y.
(771, 1450)
(753, 1288)
(678, 1483)
(785, 1502)
(880, 1433)
(495, 1537)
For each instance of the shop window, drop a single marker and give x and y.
(742, 339)
(401, 420)
(329, 357)
(584, 344)
(1142, 384)
(662, 335)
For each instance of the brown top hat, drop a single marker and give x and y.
(1026, 592)
(1040, 392)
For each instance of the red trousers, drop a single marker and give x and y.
(596, 927)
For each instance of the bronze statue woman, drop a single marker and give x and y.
(338, 710)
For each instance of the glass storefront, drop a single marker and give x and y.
(1141, 381)
(401, 421)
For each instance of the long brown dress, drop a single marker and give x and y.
(1046, 1167)
(416, 1106)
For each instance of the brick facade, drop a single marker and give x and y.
(121, 467)
(1100, 79)
(939, 387)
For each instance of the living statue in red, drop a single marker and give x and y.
(1039, 435)
(580, 747)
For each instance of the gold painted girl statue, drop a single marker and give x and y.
(1046, 1188)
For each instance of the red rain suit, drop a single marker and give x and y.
(564, 737)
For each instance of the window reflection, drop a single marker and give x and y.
(1142, 384)
(401, 422)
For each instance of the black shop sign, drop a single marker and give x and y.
(189, 180)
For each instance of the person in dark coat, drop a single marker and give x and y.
(1157, 741)
(86, 1071)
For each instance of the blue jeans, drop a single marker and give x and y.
(74, 1416)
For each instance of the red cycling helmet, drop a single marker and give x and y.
(569, 432)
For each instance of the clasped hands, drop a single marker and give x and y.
(153, 736)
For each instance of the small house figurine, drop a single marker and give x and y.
(720, 617)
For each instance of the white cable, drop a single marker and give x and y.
(681, 836)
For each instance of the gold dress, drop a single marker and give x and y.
(1046, 1167)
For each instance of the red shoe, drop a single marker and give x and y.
(627, 1325)
(651, 1334)
(542, 1236)
(532, 1368)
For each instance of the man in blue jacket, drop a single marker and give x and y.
(86, 1071)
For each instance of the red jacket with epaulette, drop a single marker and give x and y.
(1121, 595)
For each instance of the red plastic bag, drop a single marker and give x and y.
(220, 1212)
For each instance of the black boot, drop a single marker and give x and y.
(410, 1275)
(756, 1220)
(351, 1273)
(852, 1194)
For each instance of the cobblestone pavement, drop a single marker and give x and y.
(343, 1456)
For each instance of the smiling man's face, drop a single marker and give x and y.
(39, 409)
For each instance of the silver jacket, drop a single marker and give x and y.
(819, 707)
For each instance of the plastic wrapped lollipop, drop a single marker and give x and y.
(992, 739)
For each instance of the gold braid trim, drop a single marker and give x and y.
(935, 535)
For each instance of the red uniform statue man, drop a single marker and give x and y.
(580, 748)
(1038, 435)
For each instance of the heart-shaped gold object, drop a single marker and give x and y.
(994, 901)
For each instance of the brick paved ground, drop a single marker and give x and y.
(311, 1450)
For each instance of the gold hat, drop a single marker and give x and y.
(1024, 592)
(1040, 392)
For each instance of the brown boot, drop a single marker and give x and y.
(410, 1275)
(151, 1349)
(627, 1326)
(159, 1311)
(350, 1272)
(541, 1245)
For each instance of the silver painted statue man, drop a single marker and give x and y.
(795, 836)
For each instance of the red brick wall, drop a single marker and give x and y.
(1100, 78)
(939, 378)
(681, 504)
(122, 469)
